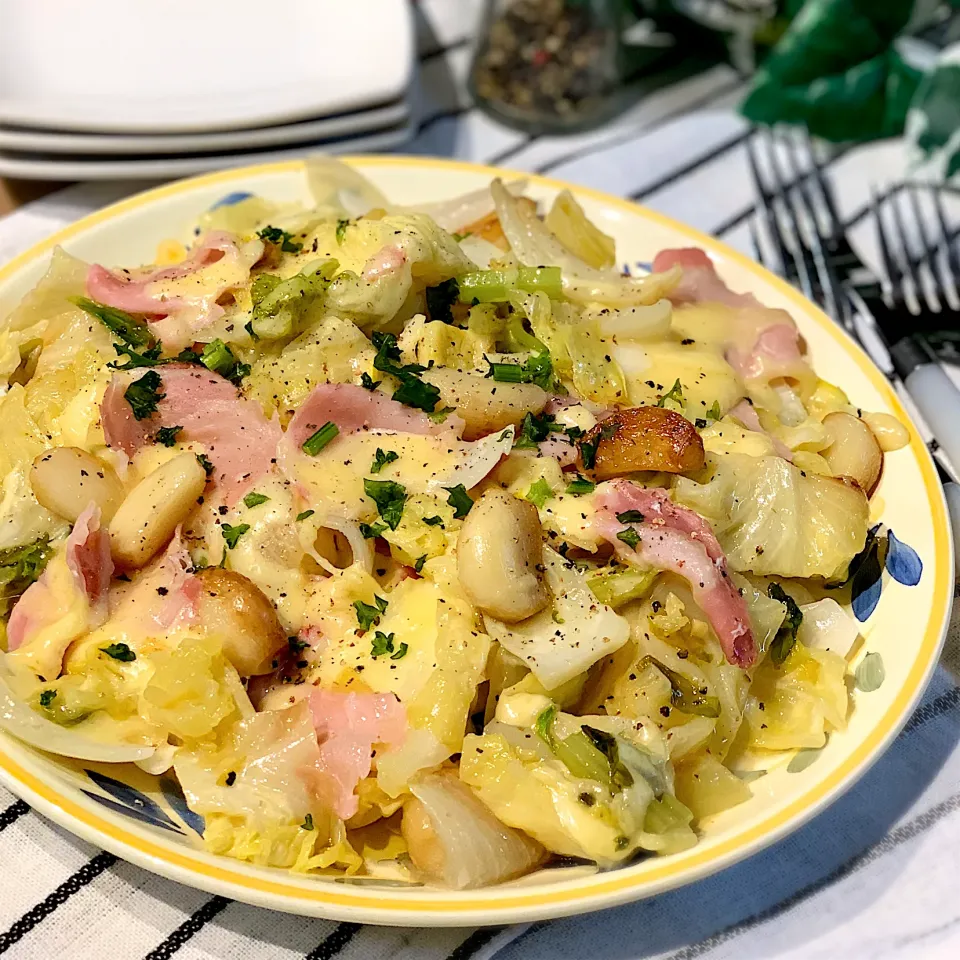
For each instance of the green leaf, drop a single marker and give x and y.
(144, 394)
(219, 358)
(434, 522)
(460, 500)
(534, 429)
(382, 644)
(368, 383)
(254, 499)
(47, 697)
(167, 436)
(305, 515)
(630, 537)
(119, 651)
(204, 462)
(581, 486)
(131, 331)
(381, 458)
(419, 562)
(232, 534)
(539, 493)
(280, 238)
(367, 614)
(685, 695)
(412, 390)
(400, 652)
(307, 822)
(870, 673)
(786, 637)
(674, 394)
(371, 530)
(150, 357)
(415, 393)
(317, 441)
(341, 231)
(714, 412)
(441, 298)
(630, 516)
(389, 497)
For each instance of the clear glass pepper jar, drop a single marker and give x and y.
(549, 65)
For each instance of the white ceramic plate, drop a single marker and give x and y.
(145, 821)
(23, 139)
(178, 66)
(30, 167)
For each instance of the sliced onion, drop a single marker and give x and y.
(478, 459)
(350, 531)
(637, 323)
(160, 762)
(455, 840)
(465, 209)
(338, 186)
(827, 626)
(26, 724)
(535, 245)
(420, 750)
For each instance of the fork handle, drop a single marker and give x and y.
(938, 400)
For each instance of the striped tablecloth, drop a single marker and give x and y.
(875, 876)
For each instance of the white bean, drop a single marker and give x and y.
(853, 451)
(891, 434)
(500, 557)
(66, 479)
(146, 519)
(239, 614)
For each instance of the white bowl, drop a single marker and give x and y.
(146, 822)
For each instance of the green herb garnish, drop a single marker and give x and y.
(317, 441)
(341, 231)
(254, 499)
(536, 369)
(119, 651)
(204, 462)
(233, 534)
(434, 522)
(400, 652)
(20, 566)
(419, 562)
(307, 822)
(460, 500)
(412, 390)
(381, 458)
(368, 383)
(144, 394)
(219, 358)
(371, 530)
(389, 497)
(305, 515)
(786, 637)
(630, 516)
(167, 436)
(150, 357)
(714, 412)
(131, 331)
(441, 298)
(539, 493)
(47, 697)
(588, 448)
(280, 238)
(368, 615)
(675, 393)
(534, 429)
(382, 644)
(581, 486)
(685, 695)
(248, 326)
(629, 537)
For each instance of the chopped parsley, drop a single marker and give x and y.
(419, 562)
(675, 394)
(131, 331)
(536, 369)
(630, 516)
(254, 499)
(400, 652)
(786, 636)
(369, 615)
(305, 515)
(434, 522)
(580, 486)
(371, 530)
(382, 644)
(233, 534)
(280, 238)
(341, 230)
(539, 493)
(204, 462)
(219, 358)
(317, 441)
(412, 390)
(714, 412)
(119, 651)
(248, 326)
(381, 458)
(389, 497)
(441, 298)
(461, 236)
(629, 537)
(144, 394)
(168, 436)
(150, 357)
(438, 416)
(534, 429)
(460, 500)
(47, 697)
(307, 822)
(588, 448)
(368, 383)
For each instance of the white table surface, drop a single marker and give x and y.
(875, 876)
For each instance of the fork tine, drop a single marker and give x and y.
(769, 217)
(826, 191)
(758, 254)
(788, 202)
(892, 275)
(829, 285)
(904, 249)
(929, 255)
(949, 248)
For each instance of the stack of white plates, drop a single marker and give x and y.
(110, 89)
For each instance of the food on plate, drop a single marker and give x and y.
(420, 543)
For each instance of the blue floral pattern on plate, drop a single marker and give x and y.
(883, 550)
(130, 802)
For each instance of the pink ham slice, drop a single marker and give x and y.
(135, 294)
(239, 440)
(745, 413)
(354, 409)
(348, 726)
(678, 539)
(775, 351)
(88, 559)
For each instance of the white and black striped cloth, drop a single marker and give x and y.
(875, 876)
